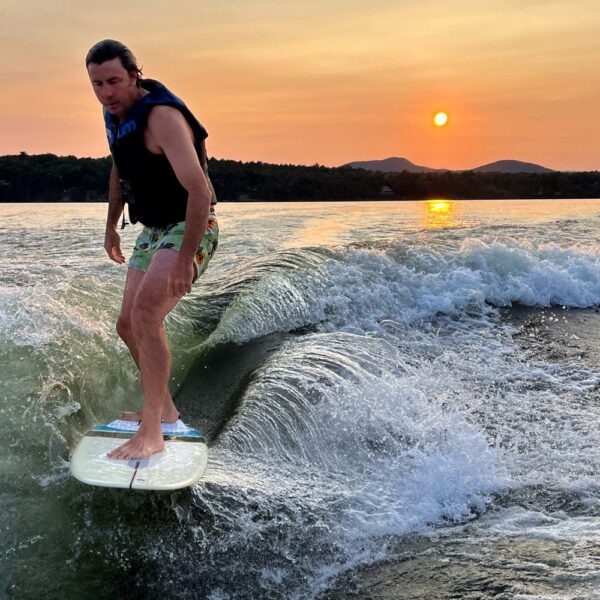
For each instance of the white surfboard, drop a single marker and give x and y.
(181, 464)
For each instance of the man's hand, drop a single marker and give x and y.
(181, 277)
(112, 245)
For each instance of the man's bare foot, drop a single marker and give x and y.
(170, 417)
(140, 446)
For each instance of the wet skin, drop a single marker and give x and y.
(149, 296)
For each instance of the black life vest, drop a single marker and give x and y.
(151, 188)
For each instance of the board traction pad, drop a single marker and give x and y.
(177, 429)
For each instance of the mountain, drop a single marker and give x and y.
(395, 164)
(390, 165)
(512, 166)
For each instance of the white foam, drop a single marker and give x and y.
(39, 314)
(366, 287)
(356, 290)
(379, 440)
(532, 524)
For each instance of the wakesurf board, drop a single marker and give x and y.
(179, 465)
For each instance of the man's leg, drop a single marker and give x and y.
(133, 282)
(124, 327)
(151, 304)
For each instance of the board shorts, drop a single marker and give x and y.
(152, 239)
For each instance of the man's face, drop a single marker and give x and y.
(114, 86)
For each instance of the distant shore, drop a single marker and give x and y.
(51, 178)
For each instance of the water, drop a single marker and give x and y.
(401, 400)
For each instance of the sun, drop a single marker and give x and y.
(440, 119)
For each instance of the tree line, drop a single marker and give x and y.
(51, 178)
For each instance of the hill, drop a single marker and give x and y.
(397, 165)
(393, 164)
(512, 166)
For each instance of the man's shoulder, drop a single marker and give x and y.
(167, 123)
(163, 113)
(164, 119)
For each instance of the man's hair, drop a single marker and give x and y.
(109, 49)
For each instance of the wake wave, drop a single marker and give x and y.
(355, 290)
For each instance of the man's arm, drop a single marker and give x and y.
(171, 132)
(112, 240)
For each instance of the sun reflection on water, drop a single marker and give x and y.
(439, 214)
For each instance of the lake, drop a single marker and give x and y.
(401, 401)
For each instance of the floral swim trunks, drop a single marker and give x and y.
(152, 239)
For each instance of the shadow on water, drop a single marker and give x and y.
(217, 379)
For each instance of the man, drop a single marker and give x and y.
(159, 169)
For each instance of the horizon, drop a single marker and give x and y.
(330, 85)
(316, 164)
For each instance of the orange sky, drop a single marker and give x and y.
(326, 81)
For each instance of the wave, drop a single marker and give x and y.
(339, 443)
(355, 290)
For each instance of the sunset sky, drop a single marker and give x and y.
(326, 81)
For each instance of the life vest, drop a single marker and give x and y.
(151, 188)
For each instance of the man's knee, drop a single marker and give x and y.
(124, 327)
(144, 319)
